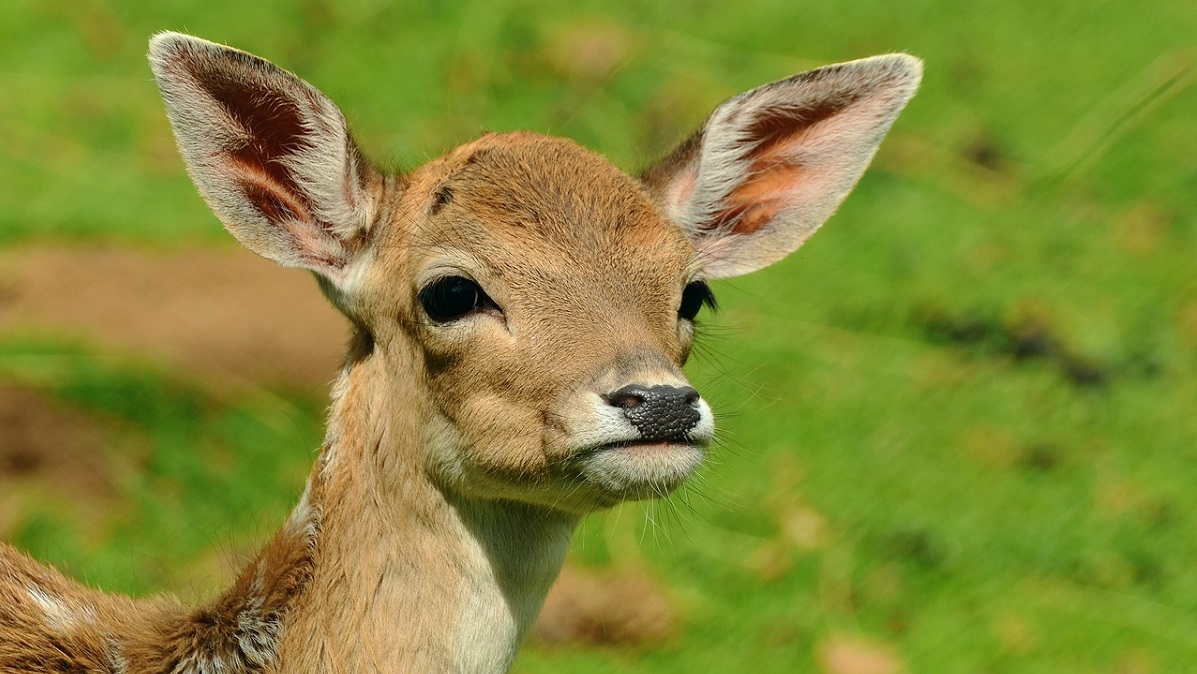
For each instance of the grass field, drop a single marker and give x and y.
(961, 430)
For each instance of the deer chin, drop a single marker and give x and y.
(636, 470)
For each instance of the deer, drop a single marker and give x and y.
(520, 311)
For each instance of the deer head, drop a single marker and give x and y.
(525, 307)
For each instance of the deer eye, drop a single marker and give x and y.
(452, 297)
(694, 296)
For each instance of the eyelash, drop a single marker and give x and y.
(695, 296)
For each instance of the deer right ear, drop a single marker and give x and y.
(771, 165)
(270, 154)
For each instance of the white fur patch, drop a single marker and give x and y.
(304, 520)
(491, 623)
(117, 662)
(257, 633)
(204, 663)
(58, 614)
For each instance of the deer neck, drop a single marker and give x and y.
(408, 576)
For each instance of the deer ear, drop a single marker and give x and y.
(772, 164)
(270, 154)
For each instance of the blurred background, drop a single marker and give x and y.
(958, 426)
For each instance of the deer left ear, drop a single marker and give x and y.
(771, 165)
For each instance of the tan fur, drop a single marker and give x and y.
(461, 451)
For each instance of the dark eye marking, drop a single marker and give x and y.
(441, 199)
(450, 298)
(694, 297)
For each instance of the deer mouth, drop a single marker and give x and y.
(649, 444)
(640, 469)
(640, 442)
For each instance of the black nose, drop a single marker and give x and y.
(659, 412)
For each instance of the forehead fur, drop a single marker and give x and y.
(524, 186)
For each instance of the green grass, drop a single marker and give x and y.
(978, 382)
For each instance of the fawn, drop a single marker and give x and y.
(520, 309)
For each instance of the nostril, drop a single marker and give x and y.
(628, 397)
(689, 395)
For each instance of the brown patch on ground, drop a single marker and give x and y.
(1142, 228)
(801, 529)
(1016, 635)
(844, 654)
(624, 608)
(591, 50)
(990, 445)
(216, 311)
(49, 450)
(1187, 322)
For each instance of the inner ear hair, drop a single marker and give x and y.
(771, 165)
(270, 154)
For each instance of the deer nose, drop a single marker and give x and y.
(665, 413)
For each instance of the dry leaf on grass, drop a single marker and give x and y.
(844, 654)
(620, 608)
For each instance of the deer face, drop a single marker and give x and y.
(553, 306)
